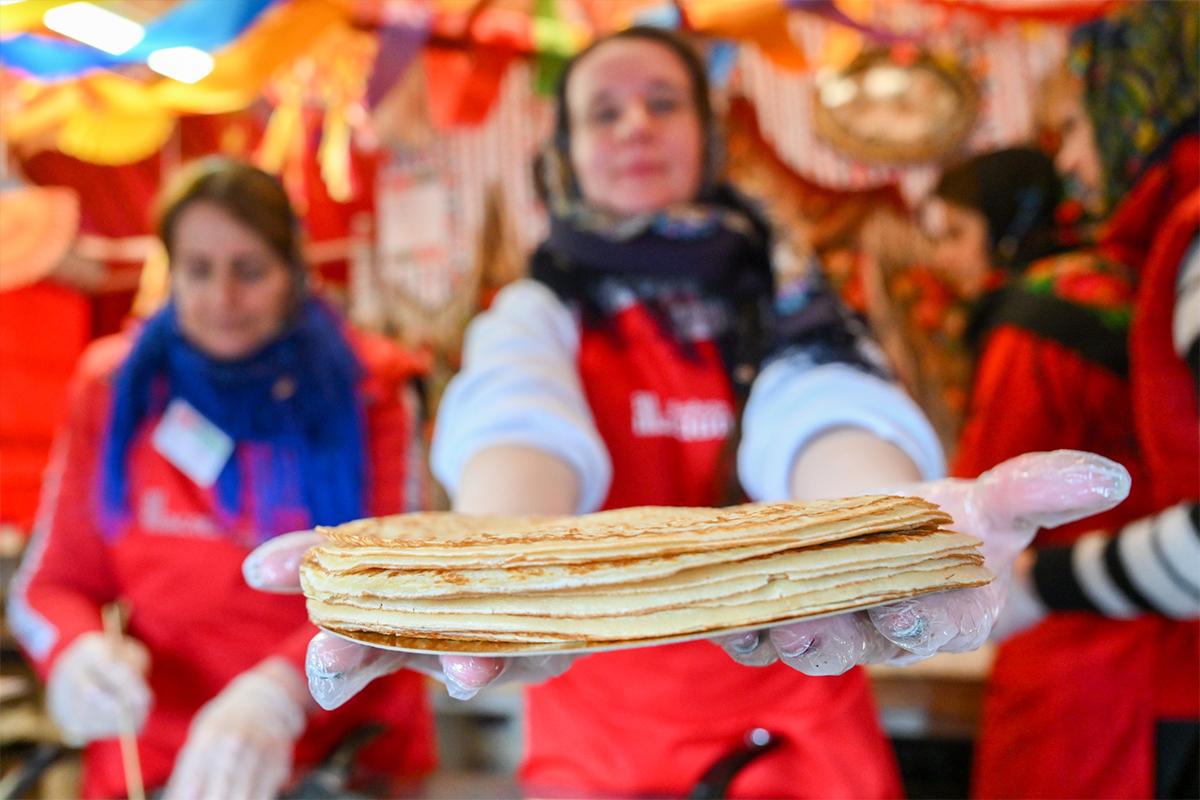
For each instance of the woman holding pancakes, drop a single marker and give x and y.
(241, 410)
(651, 359)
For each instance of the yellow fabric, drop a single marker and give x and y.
(109, 118)
(26, 16)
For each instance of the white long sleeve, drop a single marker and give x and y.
(520, 385)
(794, 400)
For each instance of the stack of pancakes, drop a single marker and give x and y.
(446, 582)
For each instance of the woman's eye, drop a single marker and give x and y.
(250, 271)
(664, 105)
(196, 269)
(603, 115)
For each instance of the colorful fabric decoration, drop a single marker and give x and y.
(109, 118)
(202, 24)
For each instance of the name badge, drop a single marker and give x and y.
(195, 446)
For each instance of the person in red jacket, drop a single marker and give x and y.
(241, 410)
(1102, 670)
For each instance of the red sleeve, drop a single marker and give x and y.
(1033, 394)
(66, 575)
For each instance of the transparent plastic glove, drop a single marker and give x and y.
(338, 669)
(1004, 508)
(240, 743)
(91, 681)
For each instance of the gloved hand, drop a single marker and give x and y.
(240, 743)
(93, 681)
(338, 669)
(1004, 507)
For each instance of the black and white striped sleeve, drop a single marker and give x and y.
(1149, 566)
(1185, 326)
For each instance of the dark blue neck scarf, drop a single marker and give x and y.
(296, 400)
(720, 244)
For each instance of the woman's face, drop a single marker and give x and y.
(960, 240)
(636, 136)
(1068, 122)
(231, 289)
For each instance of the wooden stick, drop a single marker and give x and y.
(128, 737)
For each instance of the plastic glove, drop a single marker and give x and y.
(338, 669)
(1004, 507)
(93, 682)
(240, 743)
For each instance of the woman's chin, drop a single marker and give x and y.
(222, 348)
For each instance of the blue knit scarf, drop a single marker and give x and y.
(296, 401)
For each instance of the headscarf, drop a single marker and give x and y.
(1139, 67)
(1017, 191)
(715, 246)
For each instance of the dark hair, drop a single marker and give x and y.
(1017, 191)
(249, 195)
(697, 75)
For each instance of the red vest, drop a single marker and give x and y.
(651, 721)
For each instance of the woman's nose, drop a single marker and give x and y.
(226, 290)
(635, 120)
(1066, 160)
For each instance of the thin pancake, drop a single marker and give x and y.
(774, 602)
(589, 603)
(449, 541)
(640, 577)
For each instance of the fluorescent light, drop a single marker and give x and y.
(94, 26)
(184, 64)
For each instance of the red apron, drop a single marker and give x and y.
(651, 721)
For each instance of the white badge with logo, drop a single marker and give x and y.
(195, 446)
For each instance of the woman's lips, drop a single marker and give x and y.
(643, 169)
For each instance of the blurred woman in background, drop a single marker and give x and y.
(241, 410)
(1109, 685)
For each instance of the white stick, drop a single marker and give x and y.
(128, 738)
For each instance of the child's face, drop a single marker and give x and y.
(960, 240)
